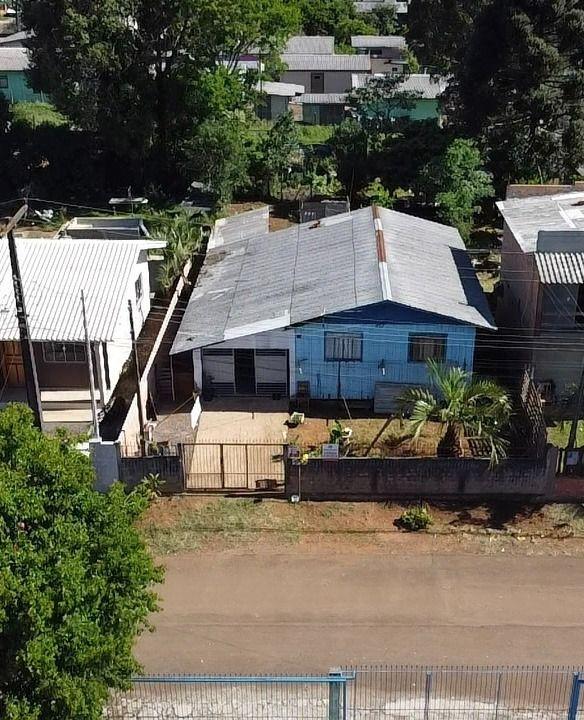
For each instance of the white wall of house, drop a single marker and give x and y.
(272, 340)
(119, 349)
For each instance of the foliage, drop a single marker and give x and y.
(279, 151)
(321, 176)
(340, 435)
(377, 194)
(438, 30)
(458, 183)
(350, 144)
(463, 405)
(415, 518)
(333, 17)
(75, 578)
(183, 240)
(379, 101)
(218, 156)
(33, 114)
(143, 75)
(383, 18)
(520, 89)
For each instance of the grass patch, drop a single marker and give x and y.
(33, 114)
(559, 433)
(230, 522)
(315, 134)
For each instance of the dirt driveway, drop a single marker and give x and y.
(277, 612)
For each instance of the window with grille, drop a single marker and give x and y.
(3, 82)
(427, 347)
(342, 346)
(56, 352)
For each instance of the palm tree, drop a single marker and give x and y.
(183, 239)
(464, 406)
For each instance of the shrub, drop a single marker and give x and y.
(415, 518)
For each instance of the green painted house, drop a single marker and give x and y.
(13, 82)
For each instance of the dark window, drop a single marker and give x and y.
(56, 352)
(427, 347)
(3, 82)
(138, 288)
(342, 346)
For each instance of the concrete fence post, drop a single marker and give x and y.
(335, 708)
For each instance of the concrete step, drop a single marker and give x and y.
(63, 399)
(67, 415)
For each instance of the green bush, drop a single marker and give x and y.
(415, 518)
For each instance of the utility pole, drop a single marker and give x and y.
(577, 413)
(28, 362)
(90, 369)
(138, 391)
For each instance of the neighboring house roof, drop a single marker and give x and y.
(13, 59)
(346, 63)
(310, 45)
(527, 216)
(323, 99)
(337, 264)
(559, 268)
(378, 41)
(54, 271)
(110, 228)
(428, 86)
(234, 228)
(16, 39)
(279, 88)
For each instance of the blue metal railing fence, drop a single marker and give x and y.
(378, 692)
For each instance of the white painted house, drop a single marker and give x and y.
(111, 272)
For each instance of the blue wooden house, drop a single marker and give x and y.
(351, 306)
(13, 73)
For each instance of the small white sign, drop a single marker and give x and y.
(330, 451)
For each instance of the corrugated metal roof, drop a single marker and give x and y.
(428, 86)
(363, 6)
(334, 265)
(347, 63)
(242, 226)
(281, 89)
(310, 45)
(527, 216)
(378, 41)
(558, 268)
(13, 59)
(322, 99)
(16, 39)
(54, 271)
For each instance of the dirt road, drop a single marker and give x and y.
(235, 612)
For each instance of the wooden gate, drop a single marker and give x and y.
(233, 466)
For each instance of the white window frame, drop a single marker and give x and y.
(76, 351)
(343, 347)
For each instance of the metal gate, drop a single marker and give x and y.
(233, 466)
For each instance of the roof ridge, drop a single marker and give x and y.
(381, 253)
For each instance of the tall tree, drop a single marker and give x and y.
(125, 69)
(334, 17)
(377, 104)
(521, 88)
(458, 183)
(75, 578)
(439, 30)
(279, 149)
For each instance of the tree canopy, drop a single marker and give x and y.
(75, 578)
(520, 89)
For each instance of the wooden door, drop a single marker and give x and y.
(11, 364)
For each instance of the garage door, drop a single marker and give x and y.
(245, 371)
(271, 370)
(218, 371)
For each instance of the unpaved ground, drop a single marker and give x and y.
(204, 524)
(274, 612)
